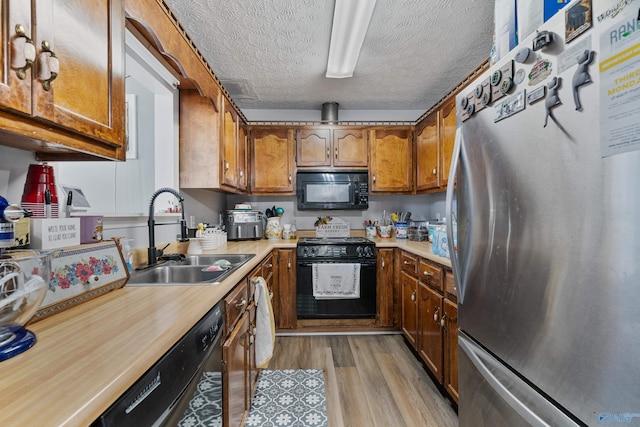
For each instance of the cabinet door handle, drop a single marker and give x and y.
(328, 153)
(241, 173)
(426, 273)
(290, 178)
(336, 153)
(269, 265)
(435, 171)
(226, 166)
(241, 303)
(383, 264)
(374, 179)
(29, 52)
(289, 264)
(52, 63)
(443, 321)
(413, 296)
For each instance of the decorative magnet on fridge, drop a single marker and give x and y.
(581, 76)
(552, 100)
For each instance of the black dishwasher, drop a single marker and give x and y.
(161, 396)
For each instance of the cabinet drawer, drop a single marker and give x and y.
(431, 274)
(409, 263)
(235, 303)
(450, 285)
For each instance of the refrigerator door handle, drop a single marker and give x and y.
(515, 389)
(451, 216)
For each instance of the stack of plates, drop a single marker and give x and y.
(211, 241)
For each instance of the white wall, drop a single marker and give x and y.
(16, 163)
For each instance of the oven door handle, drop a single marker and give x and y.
(371, 263)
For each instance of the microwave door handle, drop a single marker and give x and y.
(257, 230)
(239, 228)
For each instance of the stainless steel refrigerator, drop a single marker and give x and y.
(543, 226)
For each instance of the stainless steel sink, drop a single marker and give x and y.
(210, 259)
(192, 270)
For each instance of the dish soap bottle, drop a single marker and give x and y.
(127, 254)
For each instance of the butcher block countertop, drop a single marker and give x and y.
(87, 356)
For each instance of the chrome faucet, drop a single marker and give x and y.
(152, 252)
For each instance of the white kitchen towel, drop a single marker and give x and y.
(336, 281)
(265, 324)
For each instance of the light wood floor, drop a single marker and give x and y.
(371, 380)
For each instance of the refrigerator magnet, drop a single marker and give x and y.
(581, 76)
(552, 100)
(577, 19)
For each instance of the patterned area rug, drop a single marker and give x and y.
(289, 398)
(205, 407)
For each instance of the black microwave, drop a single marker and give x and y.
(318, 190)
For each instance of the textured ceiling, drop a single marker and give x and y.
(272, 54)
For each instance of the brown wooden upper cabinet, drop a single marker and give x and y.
(233, 162)
(435, 137)
(199, 141)
(228, 141)
(427, 136)
(272, 163)
(68, 71)
(391, 160)
(241, 157)
(447, 138)
(332, 147)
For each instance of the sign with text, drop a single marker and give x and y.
(54, 233)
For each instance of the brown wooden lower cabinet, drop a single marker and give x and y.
(235, 374)
(285, 260)
(430, 339)
(429, 319)
(409, 291)
(239, 372)
(451, 348)
(385, 288)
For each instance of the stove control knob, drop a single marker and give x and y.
(368, 252)
(359, 251)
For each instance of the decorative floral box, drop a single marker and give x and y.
(81, 273)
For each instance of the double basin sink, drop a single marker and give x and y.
(192, 270)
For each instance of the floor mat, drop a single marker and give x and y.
(289, 398)
(205, 407)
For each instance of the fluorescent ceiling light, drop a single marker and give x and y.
(350, 22)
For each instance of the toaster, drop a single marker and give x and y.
(244, 225)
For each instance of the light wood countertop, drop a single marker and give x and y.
(87, 356)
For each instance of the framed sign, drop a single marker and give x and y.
(81, 273)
